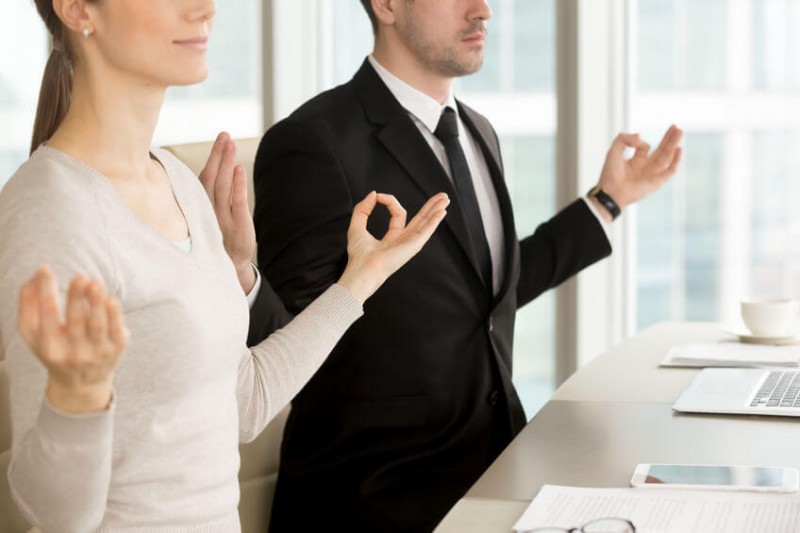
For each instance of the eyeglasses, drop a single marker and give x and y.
(600, 525)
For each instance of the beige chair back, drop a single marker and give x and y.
(194, 156)
(11, 520)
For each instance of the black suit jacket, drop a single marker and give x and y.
(417, 399)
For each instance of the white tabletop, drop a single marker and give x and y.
(612, 414)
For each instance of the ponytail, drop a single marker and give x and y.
(54, 95)
(56, 91)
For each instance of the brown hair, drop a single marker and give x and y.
(56, 90)
(372, 18)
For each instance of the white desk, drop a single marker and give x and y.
(612, 414)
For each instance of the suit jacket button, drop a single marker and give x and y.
(493, 398)
(491, 324)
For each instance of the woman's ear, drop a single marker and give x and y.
(74, 15)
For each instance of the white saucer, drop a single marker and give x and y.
(748, 337)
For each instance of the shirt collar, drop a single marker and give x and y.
(420, 105)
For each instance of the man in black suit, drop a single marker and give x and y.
(417, 399)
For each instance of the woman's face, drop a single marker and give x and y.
(163, 42)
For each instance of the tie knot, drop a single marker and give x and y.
(448, 125)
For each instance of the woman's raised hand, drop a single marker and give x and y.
(80, 353)
(371, 261)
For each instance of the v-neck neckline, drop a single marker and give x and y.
(107, 182)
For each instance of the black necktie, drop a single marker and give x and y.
(447, 132)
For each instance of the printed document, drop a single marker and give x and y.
(665, 510)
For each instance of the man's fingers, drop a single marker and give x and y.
(668, 154)
(626, 140)
(396, 211)
(666, 148)
(210, 172)
(676, 162)
(642, 150)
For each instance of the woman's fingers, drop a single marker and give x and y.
(76, 313)
(396, 211)
(223, 193)
(362, 211)
(435, 203)
(50, 325)
(117, 332)
(208, 176)
(97, 325)
(239, 195)
(29, 317)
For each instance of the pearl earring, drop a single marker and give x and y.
(86, 32)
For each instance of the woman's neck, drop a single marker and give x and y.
(110, 124)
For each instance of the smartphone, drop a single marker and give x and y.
(716, 477)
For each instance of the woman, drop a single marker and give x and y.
(147, 441)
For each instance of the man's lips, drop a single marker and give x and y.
(477, 37)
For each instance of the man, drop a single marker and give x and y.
(417, 399)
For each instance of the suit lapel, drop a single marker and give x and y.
(487, 140)
(401, 137)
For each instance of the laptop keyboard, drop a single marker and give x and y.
(780, 389)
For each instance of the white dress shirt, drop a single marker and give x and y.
(425, 112)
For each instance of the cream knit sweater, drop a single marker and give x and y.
(164, 456)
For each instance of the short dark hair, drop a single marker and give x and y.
(372, 18)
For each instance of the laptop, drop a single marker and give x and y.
(748, 391)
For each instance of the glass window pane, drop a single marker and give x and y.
(535, 45)
(530, 175)
(682, 44)
(775, 240)
(21, 31)
(724, 229)
(776, 45)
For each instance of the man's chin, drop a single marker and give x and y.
(461, 68)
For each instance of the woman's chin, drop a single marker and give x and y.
(190, 78)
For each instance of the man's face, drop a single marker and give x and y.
(446, 36)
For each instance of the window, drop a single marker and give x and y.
(515, 89)
(727, 226)
(21, 30)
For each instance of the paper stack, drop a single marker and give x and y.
(732, 354)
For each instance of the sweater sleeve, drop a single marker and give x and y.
(60, 468)
(275, 370)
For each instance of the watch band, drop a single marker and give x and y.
(605, 200)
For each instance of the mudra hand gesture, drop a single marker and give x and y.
(630, 180)
(81, 352)
(370, 261)
(225, 183)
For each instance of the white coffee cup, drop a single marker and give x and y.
(771, 317)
